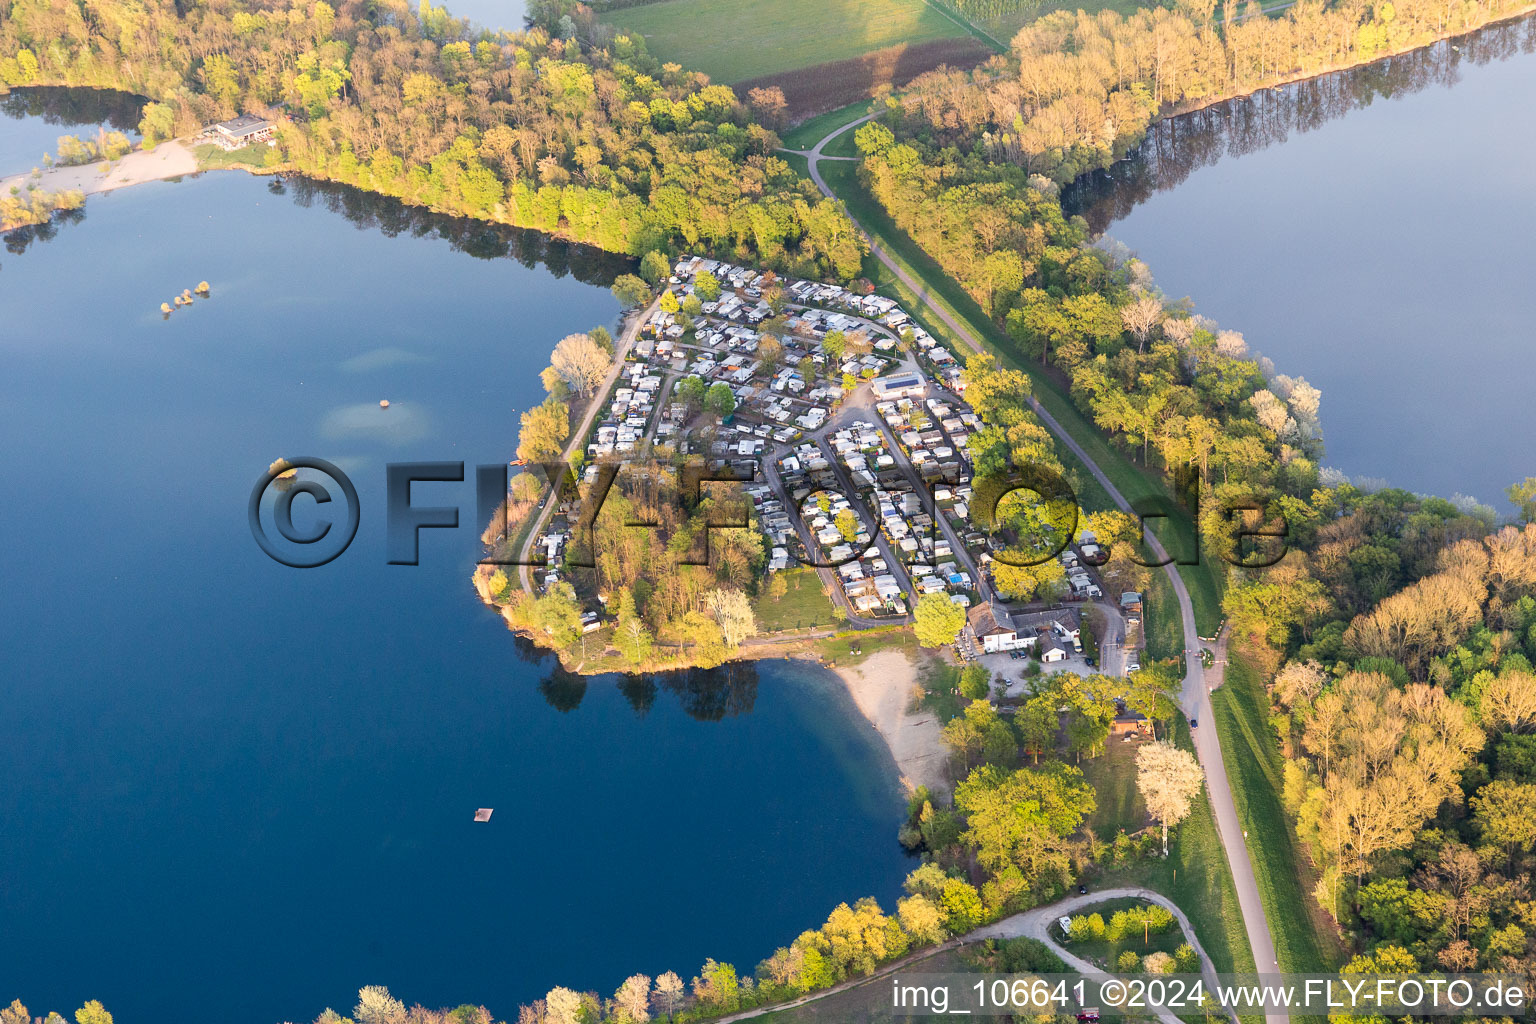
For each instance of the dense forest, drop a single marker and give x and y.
(1400, 642)
(601, 145)
(1077, 91)
(1176, 147)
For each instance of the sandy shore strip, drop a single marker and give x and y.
(883, 685)
(167, 160)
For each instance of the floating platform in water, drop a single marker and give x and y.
(484, 814)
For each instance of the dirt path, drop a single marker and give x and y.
(167, 160)
(1195, 697)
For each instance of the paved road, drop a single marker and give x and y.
(1033, 923)
(579, 438)
(1195, 696)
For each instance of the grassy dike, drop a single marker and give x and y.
(1302, 943)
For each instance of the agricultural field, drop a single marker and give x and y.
(827, 87)
(733, 40)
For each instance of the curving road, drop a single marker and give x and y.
(1033, 923)
(1195, 695)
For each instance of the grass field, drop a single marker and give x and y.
(258, 155)
(803, 605)
(1194, 876)
(1160, 620)
(733, 40)
(811, 131)
(1304, 940)
(843, 145)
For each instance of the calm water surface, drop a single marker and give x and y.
(491, 14)
(235, 788)
(1383, 251)
(31, 121)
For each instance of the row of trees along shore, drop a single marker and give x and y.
(604, 145)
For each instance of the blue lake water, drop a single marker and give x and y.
(230, 784)
(31, 121)
(1371, 231)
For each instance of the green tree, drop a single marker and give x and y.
(631, 637)
(690, 391)
(631, 291)
(834, 345)
(921, 919)
(706, 286)
(979, 734)
(1505, 813)
(847, 525)
(1022, 818)
(938, 620)
(669, 303)
(975, 682)
(558, 616)
(655, 267)
(157, 125)
(544, 430)
(1523, 495)
(720, 400)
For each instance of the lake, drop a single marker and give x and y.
(233, 790)
(32, 120)
(491, 14)
(1370, 231)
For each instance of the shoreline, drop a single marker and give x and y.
(1178, 110)
(882, 688)
(170, 159)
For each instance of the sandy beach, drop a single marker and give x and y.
(167, 160)
(882, 686)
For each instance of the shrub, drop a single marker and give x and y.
(1159, 918)
(1187, 959)
(1128, 963)
(1158, 963)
